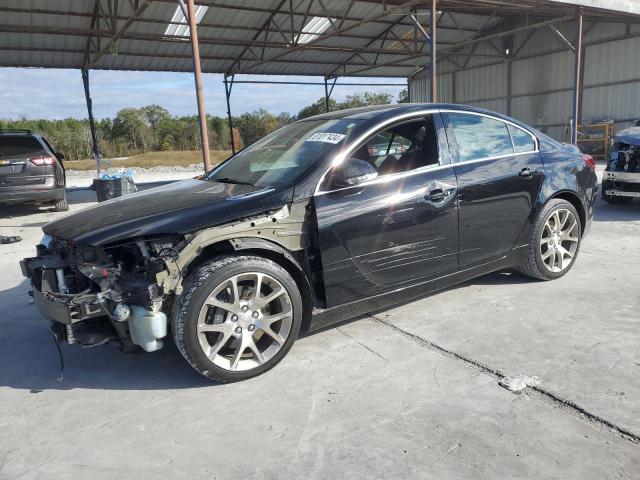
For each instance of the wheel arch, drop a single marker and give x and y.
(265, 249)
(574, 199)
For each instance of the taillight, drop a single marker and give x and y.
(589, 160)
(40, 161)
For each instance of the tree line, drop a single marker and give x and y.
(153, 128)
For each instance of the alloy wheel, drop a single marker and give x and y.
(245, 321)
(559, 240)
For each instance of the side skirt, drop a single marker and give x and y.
(323, 318)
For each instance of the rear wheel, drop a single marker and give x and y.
(554, 242)
(61, 205)
(237, 317)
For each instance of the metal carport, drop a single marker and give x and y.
(329, 38)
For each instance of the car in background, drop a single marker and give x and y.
(31, 171)
(621, 180)
(307, 219)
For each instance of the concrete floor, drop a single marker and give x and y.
(410, 392)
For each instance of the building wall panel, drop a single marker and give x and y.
(542, 81)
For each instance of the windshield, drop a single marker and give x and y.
(282, 156)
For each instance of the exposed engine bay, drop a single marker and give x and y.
(124, 292)
(73, 284)
(622, 175)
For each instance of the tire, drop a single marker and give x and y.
(223, 331)
(538, 263)
(61, 205)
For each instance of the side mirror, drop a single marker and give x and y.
(353, 171)
(60, 156)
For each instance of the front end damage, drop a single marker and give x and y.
(124, 292)
(93, 294)
(622, 174)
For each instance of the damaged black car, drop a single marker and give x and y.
(621, 180)
(343, 209)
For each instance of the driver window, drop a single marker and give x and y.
(402, 147)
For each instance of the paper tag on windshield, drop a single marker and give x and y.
(326, 137)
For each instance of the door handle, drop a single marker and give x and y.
(435, 195)
(526, 172)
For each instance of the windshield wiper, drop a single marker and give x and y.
(231, 180)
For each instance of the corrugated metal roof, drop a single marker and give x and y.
(367, 37)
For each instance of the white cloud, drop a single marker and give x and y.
(52, 93)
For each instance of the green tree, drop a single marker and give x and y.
(154, 114)
(255, 125)
(365, 99)
(131, 130)
(316, 108)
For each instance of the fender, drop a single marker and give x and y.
(564, 181)
(282, 229)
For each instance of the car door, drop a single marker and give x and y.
(397, 229)
(499, 173)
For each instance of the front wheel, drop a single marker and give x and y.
(554, 242)
(237, 317)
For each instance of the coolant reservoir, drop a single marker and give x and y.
(147, 327)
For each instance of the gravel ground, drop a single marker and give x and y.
(84, 178)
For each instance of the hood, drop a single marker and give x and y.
(179, 207)
(629, 135)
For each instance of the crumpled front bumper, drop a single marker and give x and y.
(621, 184)
(56, 309)
(61, 311)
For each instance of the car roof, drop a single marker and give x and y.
(19, 133)
(379, 113)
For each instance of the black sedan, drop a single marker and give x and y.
(314, 216)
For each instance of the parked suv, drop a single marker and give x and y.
(31, 171)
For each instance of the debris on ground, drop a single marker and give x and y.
(10, 239)
(517, 383)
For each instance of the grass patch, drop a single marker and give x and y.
(151, 159)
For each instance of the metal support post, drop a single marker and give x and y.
(328, 91)
(577, 80)
(189, 8)
(92, 123)
(228, 85)
(433, 32)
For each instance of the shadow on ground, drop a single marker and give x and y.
(32, 361)
(30, 358)
(606, 212)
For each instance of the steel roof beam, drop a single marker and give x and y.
(209, 57)
(479, 40)
(399, 9)
(92, 25)
(203, 40)
(136, 13)
(539, 9)
(160, 21)
(295, 13)
(255, 37)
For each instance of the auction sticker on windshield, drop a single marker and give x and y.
(326, 137)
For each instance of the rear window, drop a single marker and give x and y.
(11, 146)
(480, 137)
(522, 141)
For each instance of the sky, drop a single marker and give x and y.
(55, 93)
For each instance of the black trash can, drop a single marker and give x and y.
(107, 189)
